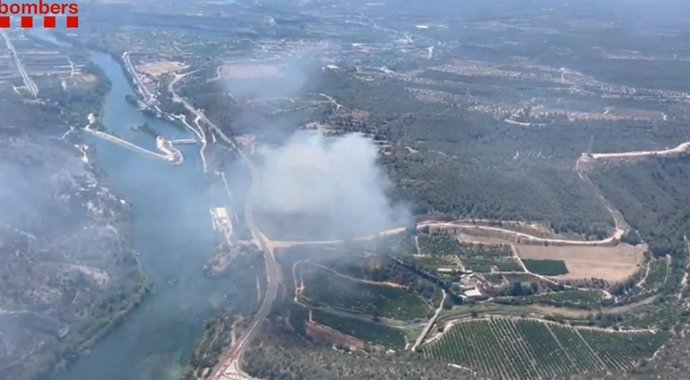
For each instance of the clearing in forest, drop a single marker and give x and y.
(612, 264)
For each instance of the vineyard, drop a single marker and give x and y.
(528, 349)
(546, 267)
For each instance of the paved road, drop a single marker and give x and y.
(230, 367)
(230, 363)
(28, 82)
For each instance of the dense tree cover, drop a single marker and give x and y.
(651, 196)
(444, 158)
(385, 269)
(76, 102)
(283, 356)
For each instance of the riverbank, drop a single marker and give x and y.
(171, 232)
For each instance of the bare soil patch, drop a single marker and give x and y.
(613, 264)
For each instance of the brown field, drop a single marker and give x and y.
(613, 264)
(249, 71)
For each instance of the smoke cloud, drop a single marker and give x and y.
(329, 186)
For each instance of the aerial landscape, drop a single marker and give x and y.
(357, 189)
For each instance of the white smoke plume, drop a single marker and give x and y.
(335, 180)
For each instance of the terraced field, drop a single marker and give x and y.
(447, 245)
(324, 288)
(367, 331)
(483, 258)
(652, 282)
(576, 298)
(529, 349)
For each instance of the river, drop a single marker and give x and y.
(173, 235)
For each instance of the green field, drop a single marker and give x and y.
(325, 288)
(527, 349)
(367, 331)
(546, 267)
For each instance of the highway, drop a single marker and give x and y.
(28, 82)
(229, 368)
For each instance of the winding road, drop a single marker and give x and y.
(229, 368)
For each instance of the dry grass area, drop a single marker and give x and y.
(483, 237)
(156, 69)
(250, 71)
(612, 264)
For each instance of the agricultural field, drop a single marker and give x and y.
(449, 245)
(546, 267)
(652, 282)
(661, 314)
(324, 288)
(366, 331)
(439, 244)
(483, 258)
(528, 349)
(572, 298)
(609, 263)
(524, 279)
(482, 265)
